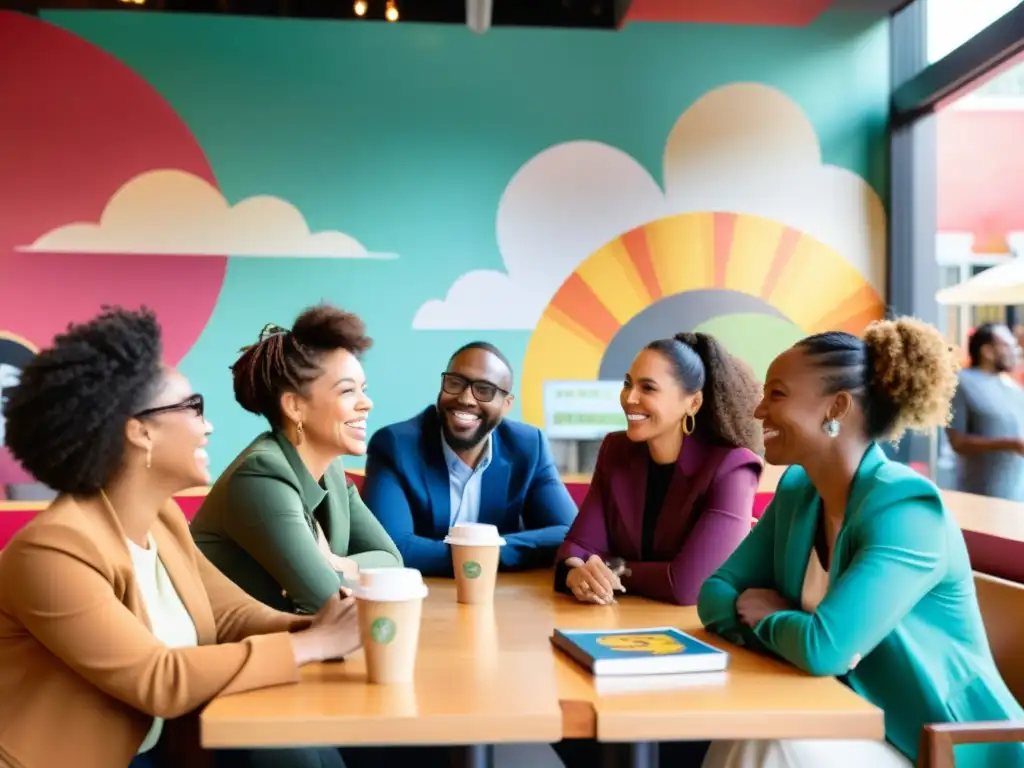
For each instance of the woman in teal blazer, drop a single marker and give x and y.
(857, 569)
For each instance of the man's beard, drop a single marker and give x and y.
(458, 443)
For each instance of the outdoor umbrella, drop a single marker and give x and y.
(998, 286)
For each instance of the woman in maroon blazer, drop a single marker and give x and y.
(672, 496)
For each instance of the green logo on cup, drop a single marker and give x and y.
(471, 569)
(382, 631)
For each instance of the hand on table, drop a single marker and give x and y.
(592, 581)
(754, 604)
(333, 633)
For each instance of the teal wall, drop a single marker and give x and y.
(405, 136)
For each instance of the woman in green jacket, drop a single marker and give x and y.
(857, 570)
(283, 522)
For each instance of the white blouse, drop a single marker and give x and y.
(170, 622)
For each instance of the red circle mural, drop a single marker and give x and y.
(77, 125)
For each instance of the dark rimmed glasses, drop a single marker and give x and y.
(194, 403)
(483, 391)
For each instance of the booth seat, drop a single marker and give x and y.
(14, 514)
(11, 521)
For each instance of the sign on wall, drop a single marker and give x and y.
(582, 410)
(15, 353)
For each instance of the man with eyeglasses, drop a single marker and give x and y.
(460, 461)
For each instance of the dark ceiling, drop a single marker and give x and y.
(594, 14)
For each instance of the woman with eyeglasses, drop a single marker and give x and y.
(112, 624)
(283, 521)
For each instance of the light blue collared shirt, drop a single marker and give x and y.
(464, 483)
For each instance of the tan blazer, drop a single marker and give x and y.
(81, 675)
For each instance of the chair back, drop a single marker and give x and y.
(1002, 606)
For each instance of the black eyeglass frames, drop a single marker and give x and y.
(483, 391)
(194, 403)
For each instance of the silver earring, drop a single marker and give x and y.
(831, 428)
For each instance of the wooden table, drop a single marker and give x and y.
(987, 515)
(489, 675)
(993, 530)
(471, 686)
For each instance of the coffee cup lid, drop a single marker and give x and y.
(390, 585)
(474, 535)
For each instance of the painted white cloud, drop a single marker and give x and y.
(748, 148)
(743, 148)
(562, 205)
(173, 212)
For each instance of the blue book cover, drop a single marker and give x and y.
(638, 651)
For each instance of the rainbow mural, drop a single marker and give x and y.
(765, 269)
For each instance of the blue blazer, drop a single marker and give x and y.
(407, 489)
(900, 596)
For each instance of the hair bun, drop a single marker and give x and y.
(320, 327)
(914, 368)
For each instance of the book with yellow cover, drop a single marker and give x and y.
(652, 651)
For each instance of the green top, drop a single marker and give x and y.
(257, 526)
(900, 622)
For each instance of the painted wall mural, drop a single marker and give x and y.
(752, 238)
(567, 196)
(15, 353)
(86, 124)
(170, 212)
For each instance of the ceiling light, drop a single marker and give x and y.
(359, 8)
(479, 14)
(391, 12)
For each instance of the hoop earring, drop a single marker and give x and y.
(298, 432)
(689, 426)
(149, 456)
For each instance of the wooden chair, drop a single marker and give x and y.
(1002, 606)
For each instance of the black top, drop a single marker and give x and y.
(659, 476)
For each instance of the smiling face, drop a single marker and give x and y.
(474, 397)
(653, 400)
(174, 431)
(334, 407)
(794, 408)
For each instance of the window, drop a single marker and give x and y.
(951, 23)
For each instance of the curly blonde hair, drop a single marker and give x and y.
(902, 372)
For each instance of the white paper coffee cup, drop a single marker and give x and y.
(390, 585)
(390, 609)
(474, 535)
(476, 550)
